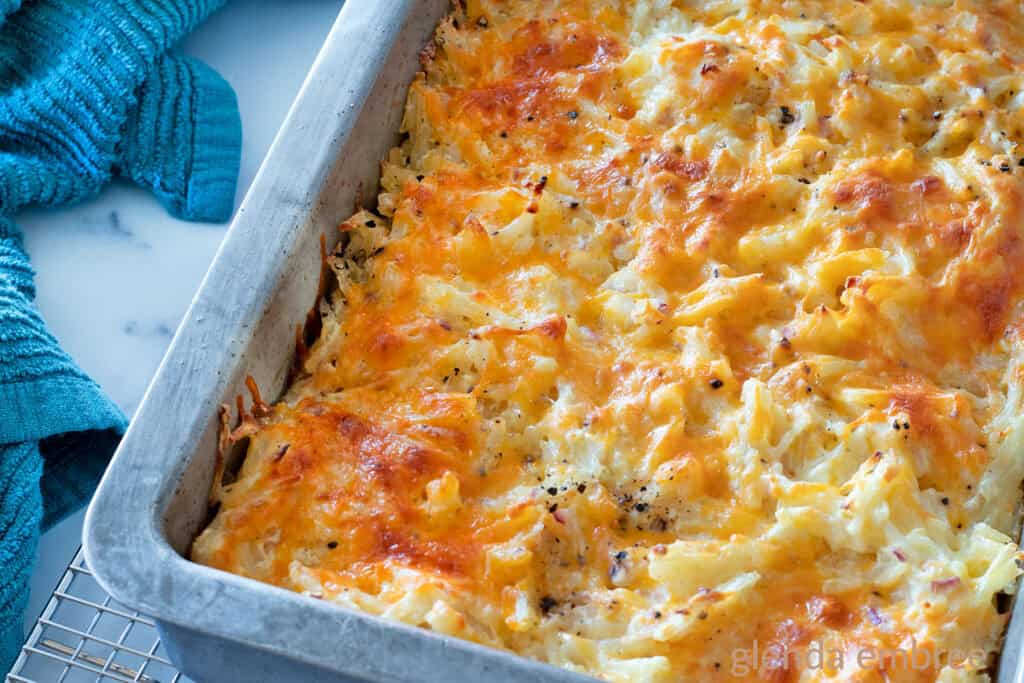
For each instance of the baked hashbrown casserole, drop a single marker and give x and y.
(682, 327)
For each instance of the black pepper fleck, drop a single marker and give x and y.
(547, 603)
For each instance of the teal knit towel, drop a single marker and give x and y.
(87, 91)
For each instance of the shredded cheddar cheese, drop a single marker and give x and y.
(680, 327)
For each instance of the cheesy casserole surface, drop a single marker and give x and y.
(682, 328)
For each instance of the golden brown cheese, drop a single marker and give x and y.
(684, 330)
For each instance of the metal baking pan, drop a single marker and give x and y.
(153, 499)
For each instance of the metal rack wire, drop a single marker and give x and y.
(85, 635)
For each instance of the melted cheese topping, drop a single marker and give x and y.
(683, 326)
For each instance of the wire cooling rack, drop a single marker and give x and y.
(84, 635)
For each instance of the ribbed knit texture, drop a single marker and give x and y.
(87, 91)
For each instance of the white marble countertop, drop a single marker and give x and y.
(115, 274)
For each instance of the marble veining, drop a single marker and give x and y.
(109, 226)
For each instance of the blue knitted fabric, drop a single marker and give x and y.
(87, 91)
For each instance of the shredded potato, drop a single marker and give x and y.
(682, 328)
